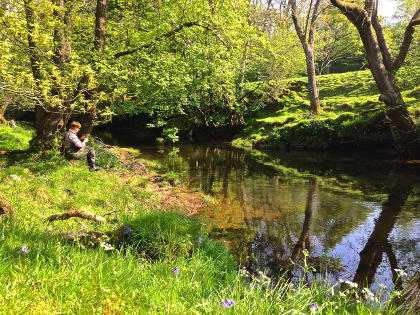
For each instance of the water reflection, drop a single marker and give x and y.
(398, 190)
(361, 208)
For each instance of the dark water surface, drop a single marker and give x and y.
(361, 207)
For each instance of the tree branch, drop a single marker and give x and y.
(311, 37)
(382, 42)
(408, 37)
(351, 10)
(159, 38)
(295, 19)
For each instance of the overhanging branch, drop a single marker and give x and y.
(159, 38)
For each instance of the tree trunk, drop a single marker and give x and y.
(100, 30)
(49, 118)
(87, 121)
(382, 68)
(307, 41)
(312, 86)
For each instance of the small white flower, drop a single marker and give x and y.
(351, 284)
(15, 177)
(107, 246)
(400, 272)
(367, 292)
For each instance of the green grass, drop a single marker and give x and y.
(15, 138)
(351, 113)
(132, 271)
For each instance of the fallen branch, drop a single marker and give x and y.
(13, 152)
(78, 214)
(112, 212)
(94, 237)
(82, 225)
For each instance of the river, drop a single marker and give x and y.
(360, 208)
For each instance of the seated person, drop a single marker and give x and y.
(75, 148)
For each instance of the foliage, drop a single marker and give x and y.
(337, 43)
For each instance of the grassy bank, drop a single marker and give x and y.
(153, 258)
(351, 114)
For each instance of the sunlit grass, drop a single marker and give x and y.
(132, 272)
(351, 113)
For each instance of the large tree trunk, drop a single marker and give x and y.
(49, 117)
(87, 121)
(383, 69)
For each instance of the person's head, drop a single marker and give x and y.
(75, 126)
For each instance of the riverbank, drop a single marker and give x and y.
(351, 115)
(152, 259)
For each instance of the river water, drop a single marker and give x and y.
(362, 208)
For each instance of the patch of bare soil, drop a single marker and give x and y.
(170, 193)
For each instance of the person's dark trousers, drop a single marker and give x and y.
(89, 152)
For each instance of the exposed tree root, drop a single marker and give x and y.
(78, 214)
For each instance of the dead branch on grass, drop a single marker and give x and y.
(78, 214)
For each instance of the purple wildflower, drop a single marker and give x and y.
(335, 274)
(23, 249)
(157, 236)
(314, 307)
(228, 303)
(198, 240)
(126, 230)
(43, 212)
(176, 271)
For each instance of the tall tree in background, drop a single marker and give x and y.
(383, 68)
(306, 33)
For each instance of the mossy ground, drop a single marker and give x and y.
(351, 114)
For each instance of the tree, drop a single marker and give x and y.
(382, 67)
(336, 42)
(306, 34)
(196, 70)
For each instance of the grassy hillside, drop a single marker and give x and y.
(351, 114)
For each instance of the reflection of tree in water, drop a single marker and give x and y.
(274, 256)
(372, 254)
(274, 218)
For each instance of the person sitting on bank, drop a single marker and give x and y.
(75, 148)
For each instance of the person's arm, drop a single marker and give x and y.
(73, 139)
